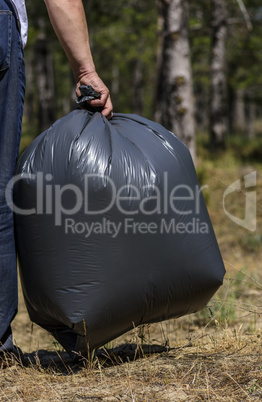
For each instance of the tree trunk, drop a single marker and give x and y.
(45, 83)
(218, 115)
(138, 86)
(29, 95)
(115, 86)
(239, 111)
(250, 115)
(174, 100)
(201, 108)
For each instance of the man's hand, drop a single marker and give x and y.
(98, 85)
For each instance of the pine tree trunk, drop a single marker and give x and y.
(239, 111)
(115, 86)
(45, 83)
(174, 100)
(29, 98)
(218, 115)
(250, 115)
(138, 87)
(201, 108)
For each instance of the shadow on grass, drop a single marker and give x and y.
(62, 363)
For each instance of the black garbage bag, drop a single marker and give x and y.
(112, 229)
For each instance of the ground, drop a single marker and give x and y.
(213, 355)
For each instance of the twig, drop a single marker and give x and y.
(239, 386)
(245, 15)
(237, 191)
(244, 273)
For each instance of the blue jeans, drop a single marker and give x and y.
(12, 89)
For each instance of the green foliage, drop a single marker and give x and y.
(252, 242)
(245, 149)
(124, 40)
(120, 35)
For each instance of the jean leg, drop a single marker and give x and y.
(12, 88)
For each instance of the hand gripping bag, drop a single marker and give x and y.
(112, 229)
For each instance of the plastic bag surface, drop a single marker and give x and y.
(112, 229)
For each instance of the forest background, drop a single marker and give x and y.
(194, 66)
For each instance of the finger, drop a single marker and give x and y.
(109, 116)
(77, 90)
(96, 102)
(108, 109)
(101, 101)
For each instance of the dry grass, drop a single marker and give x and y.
(224, 366)
(212, 355)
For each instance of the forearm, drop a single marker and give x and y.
(69, 22)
